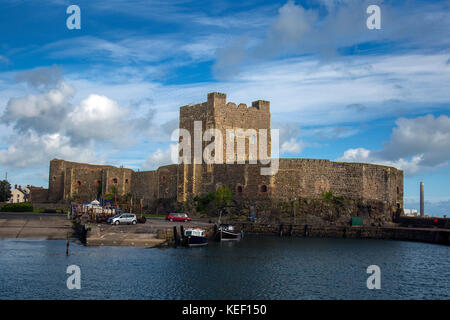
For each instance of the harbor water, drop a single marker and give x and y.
(259, 267)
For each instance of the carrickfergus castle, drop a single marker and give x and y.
(363, 189)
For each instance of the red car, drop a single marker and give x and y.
(178, 217)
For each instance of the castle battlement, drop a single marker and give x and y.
(218, 101)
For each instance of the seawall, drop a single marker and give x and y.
(429, 235)
(35, 226)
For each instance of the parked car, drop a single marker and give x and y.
(178, 217)
(124, 218)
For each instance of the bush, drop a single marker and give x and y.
(202, 201)
(17, 207)
(327, 195)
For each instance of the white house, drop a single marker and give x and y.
(19, 194)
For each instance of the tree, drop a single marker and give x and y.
(202, 201)
(223, 197)
(113, 194)
(5, 190)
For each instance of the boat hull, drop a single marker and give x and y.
(222, 235)
(193, 241)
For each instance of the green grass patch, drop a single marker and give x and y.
(150, 215)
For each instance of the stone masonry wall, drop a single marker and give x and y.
(299, 178)
(69, 180)
(144, 185)
(167, 177)
(216, 113)
(38, 194)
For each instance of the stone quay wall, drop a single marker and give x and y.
(437, 236)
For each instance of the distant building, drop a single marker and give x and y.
(19, 194)
(411, 212)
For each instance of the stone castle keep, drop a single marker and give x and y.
(295, 178)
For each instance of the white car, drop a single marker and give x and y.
(124, 218)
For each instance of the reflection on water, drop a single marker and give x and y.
(255, 268)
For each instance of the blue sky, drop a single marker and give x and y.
(110, 92)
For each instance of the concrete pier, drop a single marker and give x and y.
(35, 226)
(153, 233)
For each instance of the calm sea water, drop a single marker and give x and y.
(255, 268)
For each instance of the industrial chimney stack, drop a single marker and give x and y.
(422, 209)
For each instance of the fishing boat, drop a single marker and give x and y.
(228, 232)
(194, 237)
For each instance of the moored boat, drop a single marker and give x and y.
(194, 237)
(228, 232)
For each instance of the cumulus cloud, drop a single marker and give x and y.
(160, 158)
(95, 118)
(427, 136)
(31, 149)
(99, 118)
(416, 144)
(46, 124)
(292, 146)
(43, 112)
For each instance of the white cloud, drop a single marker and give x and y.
(42, 113)
(416, 144)
(315, 94)
(99, 118)
(410, 167)
(326, 34)
(356, 155)
(426, 136)
(299, 89)
(47, 125)
(160, 158)
(31, 150)
(292, 146)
